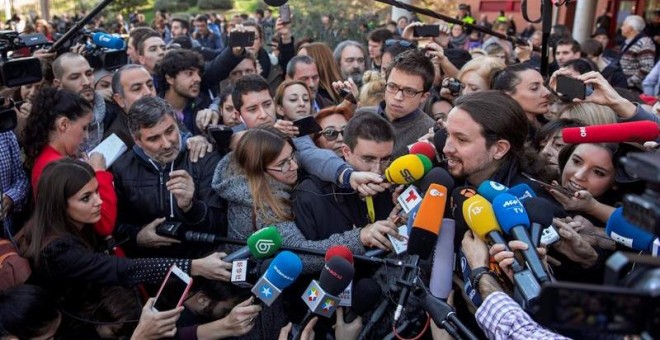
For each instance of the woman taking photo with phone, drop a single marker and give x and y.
(64, 253)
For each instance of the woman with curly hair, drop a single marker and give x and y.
(56, 128)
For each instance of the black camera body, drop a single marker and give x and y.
(19, 71)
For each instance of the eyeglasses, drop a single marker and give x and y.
(285, 165)
(372, 161)
(407, 92)
(332, 134)
(403, 43)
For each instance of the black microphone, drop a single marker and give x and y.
(437, 176)
(442, 314)
(322, 297)
(366, 294)
(541, 213)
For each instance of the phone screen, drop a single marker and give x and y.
(307, 126)
(571, 88)
(241, 39)
(426, 31)
(171, 292)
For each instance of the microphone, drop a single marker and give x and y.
(490, 189)
(623, 232)
(635, 132)
(108, 41)
(481, 219)
(541, 213)
(407, 169)
(443, 261)
(367, 294)
(439, 141)
(322, 297)
(423, 148)
(444, 315)
(282, 271)
(428, 221)
(261, 244)
(437, 176)
(458, 197)
(522, 192)
(342, 251)
(514, 221)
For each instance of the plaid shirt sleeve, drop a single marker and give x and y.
(500, 317)
(13, 179)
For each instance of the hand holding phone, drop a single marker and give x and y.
(285, 13)
(173, 291)
(571, 88)
(307, 126)
(241, 39)
(426, 31)
(547, 186)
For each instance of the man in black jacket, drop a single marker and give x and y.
(156, 181)
(322, 208)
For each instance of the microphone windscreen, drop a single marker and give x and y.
(284, 269)
(439, 140)
(405, 170)
(443, 261)
(522, 192)
(458, 196)
(626, 233)
(366, 294)
(634, 132)
(341, 251)
(428, 221)
(423, 148)
(437, 176)
(540, 210)
(426, 163)
(336, 275)
(275, 3)
(479, 216)
(264, 242)
(489, 189)
(108, 41)
(509, 212)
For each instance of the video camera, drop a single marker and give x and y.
(629, 301)
(19, 71)
(101, 50)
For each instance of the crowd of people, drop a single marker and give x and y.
(89, 229)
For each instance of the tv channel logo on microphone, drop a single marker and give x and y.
(264, 246)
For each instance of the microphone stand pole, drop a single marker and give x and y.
(79, 25)
(513, 39)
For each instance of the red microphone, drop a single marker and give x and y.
(341, 251)
(634, 132)
(423, 148)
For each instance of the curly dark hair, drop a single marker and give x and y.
(176, 61)
(50, 104)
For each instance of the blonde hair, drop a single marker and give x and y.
(256, 149)
(372, 92)
(485, 67)
(589, 113)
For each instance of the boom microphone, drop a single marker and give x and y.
(107, 41)
(443, 261)
(261, 244)
(407, 169)
(490, 189)
(627, 234)
(635, 132)
(367, 294)
(513, 219)
(285, 268)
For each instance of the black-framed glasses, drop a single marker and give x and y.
(285, 165)
(332, 134)
(407, 91)
(403, 43)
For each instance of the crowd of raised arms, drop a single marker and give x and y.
(308, 140)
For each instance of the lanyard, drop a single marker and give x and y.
(370, 209)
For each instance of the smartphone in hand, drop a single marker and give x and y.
(548, 186)
(285, 13)
(571, 88)
(426, 31)
(173, 291)
(307, 126)
(241, 39)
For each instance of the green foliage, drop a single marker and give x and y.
(171, 5)
(128, 6)
(215, 4)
